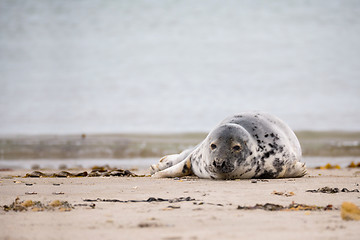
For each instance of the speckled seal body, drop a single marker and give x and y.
(247, 145)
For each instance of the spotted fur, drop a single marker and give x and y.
(248, 145)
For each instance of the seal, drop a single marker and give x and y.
(246, 145)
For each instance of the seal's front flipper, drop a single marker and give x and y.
(181, 169)
(170, 160)
(165, 162)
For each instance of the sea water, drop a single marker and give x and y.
(93, 66)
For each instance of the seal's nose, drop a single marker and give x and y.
(222, 166)
(218, 163)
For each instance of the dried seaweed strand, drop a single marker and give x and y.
(150, 199)
(292, 207)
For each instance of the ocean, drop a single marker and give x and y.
(94, 66)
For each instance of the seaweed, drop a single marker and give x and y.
(95, 172)
(291, 207)
(286, 194)
(37, 206)
(354, 165)
(349, 211)
(329, 166)
(150, 199)
(331, 190)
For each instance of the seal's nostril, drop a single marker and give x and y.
(236, 147)
(223, 165)
(214, 163)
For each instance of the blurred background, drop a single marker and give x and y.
(160, 67)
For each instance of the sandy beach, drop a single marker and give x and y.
(186, 208)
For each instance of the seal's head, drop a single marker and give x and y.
(227, 149)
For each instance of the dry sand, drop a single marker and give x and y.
(214, 216)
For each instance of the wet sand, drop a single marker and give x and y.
(210, 212)
(120, 146)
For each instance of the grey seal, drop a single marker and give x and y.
(246, 145)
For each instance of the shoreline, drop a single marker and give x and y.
(329, 144)
(142, 163)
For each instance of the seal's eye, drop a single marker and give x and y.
(236, 148)
(212, 146)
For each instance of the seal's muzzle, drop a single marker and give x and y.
(223, 166)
